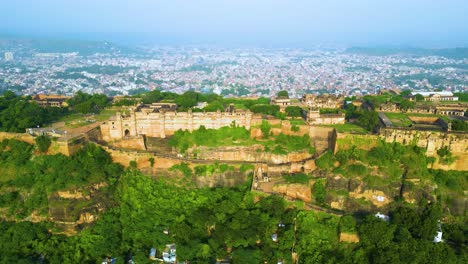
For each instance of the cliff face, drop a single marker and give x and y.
(247, 154)
(71, 210)
(295, 191)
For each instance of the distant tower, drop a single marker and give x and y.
(8, 56)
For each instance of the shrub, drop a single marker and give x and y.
(297, 178)
(43, 143)
(265, 127)
(325, 161)
(319, 191)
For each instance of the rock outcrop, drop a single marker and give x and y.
(295, 191)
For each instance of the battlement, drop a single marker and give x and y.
(161, 123)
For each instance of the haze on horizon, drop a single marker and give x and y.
(424, 23)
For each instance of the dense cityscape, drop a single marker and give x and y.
(227, 72)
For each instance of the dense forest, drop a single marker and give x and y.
(18, 113)
(205, 223)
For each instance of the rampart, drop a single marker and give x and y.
(65, 146)
(456, 142)
(162, 124)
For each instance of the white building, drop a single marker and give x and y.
(436, 96)
(8, 56)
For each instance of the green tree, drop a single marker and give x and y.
(283, 93)
(265, 127)
(419, 97)
(319, 191)
(369, 120)
(43, 143)
(294, 111)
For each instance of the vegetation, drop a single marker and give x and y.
(294, 111)
(215, 102)
(445, 156)
(239, 136)
(283, 94)
(208, 170)
(37, 176)
(458, 125)
(17, 113)
(319, 191)
(86, 103)
(369, 120)
(463, 97)
(210, 223)
(297, 178)
(265, 127)
(43, 143)
(225, 136)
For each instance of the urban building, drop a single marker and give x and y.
(8, 56)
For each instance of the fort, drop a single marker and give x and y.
(158, 120)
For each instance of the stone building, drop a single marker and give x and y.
(322, 101)
(161, 120)
(282, 102)
(315, 118)
(51, 100)
(436, 96)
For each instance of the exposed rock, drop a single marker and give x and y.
(337, 183)
(377, 198)
(408, 198)
(349, 237)
(339, 203)
(295, 191)
(310, 165)
(72, 195)
(86, 218)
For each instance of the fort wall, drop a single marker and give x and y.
(63, 146)
(162, 124)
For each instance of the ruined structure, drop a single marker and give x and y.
(445, 109)
(457, 142)
(315, 118)
(322, 101)
(161, 120)
(282, 102)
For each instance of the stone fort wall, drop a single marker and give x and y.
(164, 124)
(457, 143)
(66, 147)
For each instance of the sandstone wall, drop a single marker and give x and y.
(162, 124)
(136, 143)
(248, 154)
(322, 137)
(18, 136)
(431, 140)
(63, 146)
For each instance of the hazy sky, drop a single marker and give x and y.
(431, 22)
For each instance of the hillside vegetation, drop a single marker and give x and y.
(206, 223)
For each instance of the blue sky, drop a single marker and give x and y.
(398, 22)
